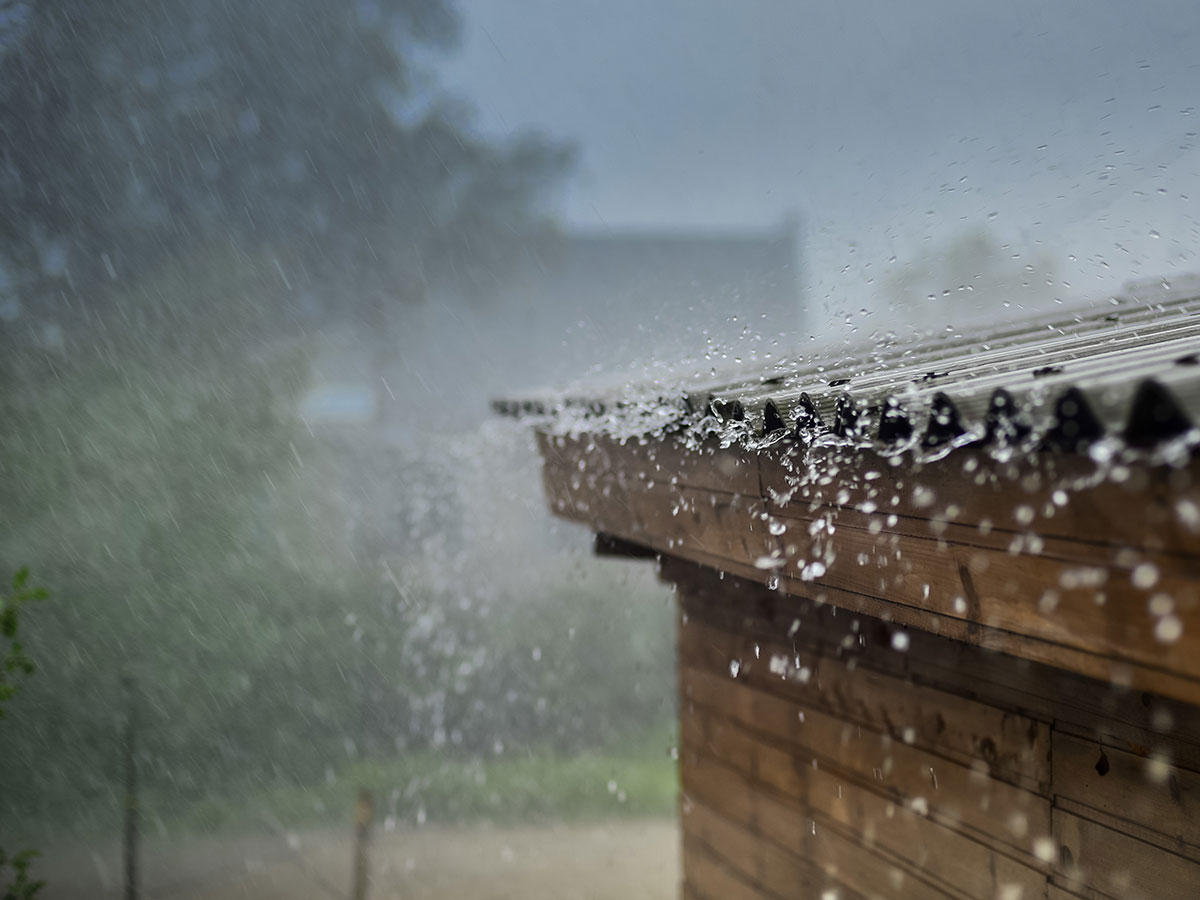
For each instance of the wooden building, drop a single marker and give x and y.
(939, 607)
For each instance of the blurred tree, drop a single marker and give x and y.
(15, 880)
(14, 661)
(184, 186)
(130, 129)
(139, 482)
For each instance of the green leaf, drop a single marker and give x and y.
(25, 857)
(20, 578)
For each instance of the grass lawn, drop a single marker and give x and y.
(429, 788)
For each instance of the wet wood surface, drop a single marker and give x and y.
(1094, 572)
(819, 756)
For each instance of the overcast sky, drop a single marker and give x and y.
(1068, 126)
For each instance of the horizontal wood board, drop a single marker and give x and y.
(816, 756)
(1061, 562)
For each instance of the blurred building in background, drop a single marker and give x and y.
(584, 303)
(624, 300)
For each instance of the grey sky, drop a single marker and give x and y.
(1067, 126)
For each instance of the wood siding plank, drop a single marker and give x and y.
(1012, 746)
(1096, 861)
(1144, 796)
(757, 736)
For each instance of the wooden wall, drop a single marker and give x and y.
(829, 755)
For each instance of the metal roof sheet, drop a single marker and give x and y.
(1125, 372)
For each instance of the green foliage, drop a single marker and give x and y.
(266, 696)
(139, 480)
(534, 785)
(133, 128)
(22, 886)
(159, 481)
(14, 659)
(191, 190)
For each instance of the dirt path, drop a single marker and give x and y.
(626, 860)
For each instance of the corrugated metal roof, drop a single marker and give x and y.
(1124, 371)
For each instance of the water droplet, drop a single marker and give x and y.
(1168, 630)
(1018, 824)
(1043, 849)
(1189, 514)
(1162, 605)
(1145, 576)
(1158, 769)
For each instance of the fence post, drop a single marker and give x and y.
(131, 801)
(363, 813)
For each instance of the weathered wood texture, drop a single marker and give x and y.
(1093, 569)
(829, 754)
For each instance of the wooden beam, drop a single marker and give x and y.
(1099, 577)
